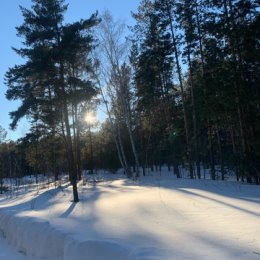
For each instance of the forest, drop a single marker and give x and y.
(179, 87)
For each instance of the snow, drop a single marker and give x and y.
(95, 250)
(158, 217)
(7, 252)
(36, 239)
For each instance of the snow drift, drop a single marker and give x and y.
(38, 240)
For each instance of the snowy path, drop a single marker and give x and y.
(158, 218)
(8, 253)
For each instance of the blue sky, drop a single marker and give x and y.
(10, 17)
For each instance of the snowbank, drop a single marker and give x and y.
(38, 241)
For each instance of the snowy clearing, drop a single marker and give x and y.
(156, 218)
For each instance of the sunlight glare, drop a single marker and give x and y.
(90, 118)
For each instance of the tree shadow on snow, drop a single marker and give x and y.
(69, 210)
(222, 202)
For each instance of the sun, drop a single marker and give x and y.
(90, 118)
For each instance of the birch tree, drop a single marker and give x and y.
(117, 75)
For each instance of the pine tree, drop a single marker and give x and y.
(166, 10)
(152, 62)
(186, 17)
(51, 49)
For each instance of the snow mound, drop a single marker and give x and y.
(38, 240)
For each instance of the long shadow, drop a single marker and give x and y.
(227, 188)
(69, 210)
(231, 248)
(220, 202)
(40, 201)
(246, 192)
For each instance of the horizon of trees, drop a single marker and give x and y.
(181, 87)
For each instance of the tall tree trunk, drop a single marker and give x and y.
(122, 151)
(235, 153)
(91, 152)
(212, 159)
(236, 59)
(137, 165)
(210, 141)
(194, 117)
(220, 149)
(77, 142)
(176, 55)
(127, 119)
(118, 142)
(65, 115)
(78, 156)
(71, 159)
(53, 131)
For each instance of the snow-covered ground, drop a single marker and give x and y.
(7, 252)
(155, 218)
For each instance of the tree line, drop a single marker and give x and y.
(196, 78)
(179, 87)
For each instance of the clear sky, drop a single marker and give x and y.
(10, 17)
